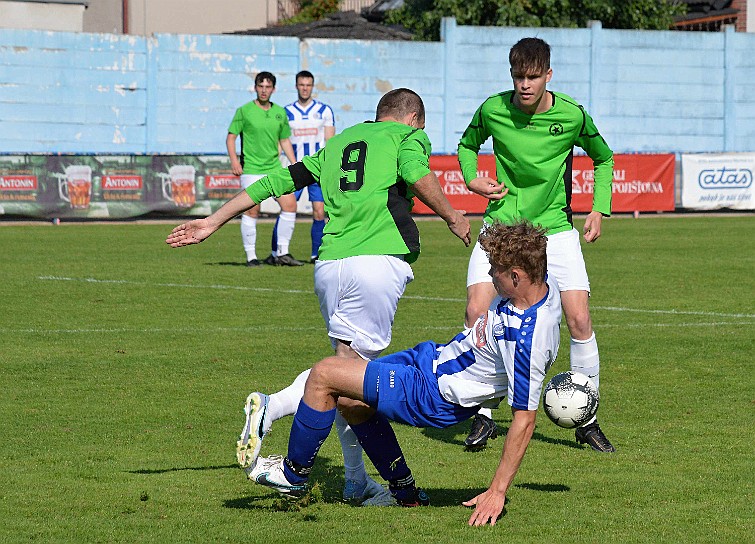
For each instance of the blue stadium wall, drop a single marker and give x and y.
(99, 93)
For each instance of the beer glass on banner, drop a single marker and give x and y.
(75, 186)
(178, 185)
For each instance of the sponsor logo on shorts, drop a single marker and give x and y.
(392, 379)
(482, 323)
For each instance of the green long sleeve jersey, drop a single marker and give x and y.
(366, 173)
(534, 159)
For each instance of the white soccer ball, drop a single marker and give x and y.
(570, 399)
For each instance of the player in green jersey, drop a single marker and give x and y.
(368, 174)
(263, 126)
(534, 131)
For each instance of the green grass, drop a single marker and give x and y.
(124, 365)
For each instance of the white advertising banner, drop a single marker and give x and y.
(712, 181)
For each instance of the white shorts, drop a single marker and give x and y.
(358, 299)
(248, 179)
(565, 263)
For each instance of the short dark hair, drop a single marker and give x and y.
(400, 102)
(304, 73)
(530, 56)
(520, 245)
(262, 76)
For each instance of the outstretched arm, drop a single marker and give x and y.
(489, 505)
(428, 190)
(198, 230)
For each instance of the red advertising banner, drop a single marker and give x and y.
(446, 167)
(643, 183)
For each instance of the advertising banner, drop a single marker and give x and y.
(119, 186)
(124, 186)
(712, 181)
(25, 187)
(446, 167)
(642, 183)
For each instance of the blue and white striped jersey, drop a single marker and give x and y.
(506, 353)
(308, 127)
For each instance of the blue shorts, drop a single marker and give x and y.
(315, 193)
(403, 387)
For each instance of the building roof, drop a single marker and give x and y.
(345, 25)
(706, 11)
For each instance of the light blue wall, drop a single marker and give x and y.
(100, 93)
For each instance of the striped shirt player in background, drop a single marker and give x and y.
(506, 353)
(312, 124)
(368, 174)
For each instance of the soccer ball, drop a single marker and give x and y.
(570, 399)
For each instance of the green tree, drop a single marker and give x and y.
(422, 17)
(312, 10)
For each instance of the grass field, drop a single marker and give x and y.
(125, 364)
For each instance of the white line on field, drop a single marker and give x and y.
(194, 330)
(407, 297)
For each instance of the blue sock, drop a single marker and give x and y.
(274, 240)
(308, 431)
(379, 442)
(318, 225)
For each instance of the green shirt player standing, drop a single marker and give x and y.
(368, 174)
(534, 132)
(263, 126)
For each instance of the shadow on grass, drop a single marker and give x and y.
(176, 469)
(546, 488)
(450, 435)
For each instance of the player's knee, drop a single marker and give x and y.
(320, 375)
(580, 324)
(354, 411)
(287, 203)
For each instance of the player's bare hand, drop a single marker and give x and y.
(190, 233)
(488, 507)
(236, 168)
(488, 187)
(459, 225)
(592, 226)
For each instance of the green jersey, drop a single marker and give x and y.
(534, 159)
(366, 173)
(260, 132)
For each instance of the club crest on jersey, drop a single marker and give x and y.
(482, 323)
(556, 129)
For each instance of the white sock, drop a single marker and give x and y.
(286, 401)
(487, 412)
(353, 461)
(249, 236)
(585, 358)
(286, 224)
